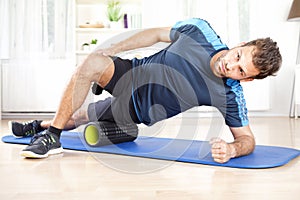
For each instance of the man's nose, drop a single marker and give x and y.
(232, 66)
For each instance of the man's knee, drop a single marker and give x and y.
(95, 66)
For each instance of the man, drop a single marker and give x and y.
(195, 69)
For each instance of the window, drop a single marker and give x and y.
(37, 28)
(229, 18)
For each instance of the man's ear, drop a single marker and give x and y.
(247, 79)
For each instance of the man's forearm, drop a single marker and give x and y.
(142, 39)
(242, 145)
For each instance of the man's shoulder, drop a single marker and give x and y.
(191, 21)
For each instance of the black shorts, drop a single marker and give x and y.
(119, 108)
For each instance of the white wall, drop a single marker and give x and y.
(34, 86)
(159, 13)
(270, 20)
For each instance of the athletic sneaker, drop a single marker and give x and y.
(42, 145)
(26, 129)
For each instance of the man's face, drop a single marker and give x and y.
(236, 64)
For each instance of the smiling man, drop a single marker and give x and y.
(195, 69)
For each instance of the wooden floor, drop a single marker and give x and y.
(83, 175)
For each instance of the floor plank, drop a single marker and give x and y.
(82, 175)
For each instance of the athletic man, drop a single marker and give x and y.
(195, 69)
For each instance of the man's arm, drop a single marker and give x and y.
(243, 144)
(141, 39)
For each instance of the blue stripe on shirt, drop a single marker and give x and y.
(206, 29)
(237, 89)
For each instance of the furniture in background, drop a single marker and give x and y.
(294, 15)
(92, 27)
(0, 90)
(296, 91)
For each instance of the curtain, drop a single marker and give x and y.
(229, 18)
(37, 38)
(35, 29)
(4, 28)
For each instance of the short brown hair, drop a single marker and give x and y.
(266, 57)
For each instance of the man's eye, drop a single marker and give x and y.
(238, 56)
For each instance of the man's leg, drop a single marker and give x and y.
(30, 128)
(100, 110)
(96, 68)
(79, 118)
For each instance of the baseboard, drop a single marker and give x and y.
(188, 114)
(27, 115)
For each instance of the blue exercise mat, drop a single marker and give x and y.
(191, 151)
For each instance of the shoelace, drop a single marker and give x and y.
(46, 139)
(29, 128)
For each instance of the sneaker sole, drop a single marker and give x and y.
(30, 154)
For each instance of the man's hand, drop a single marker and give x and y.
(221, 151)
(243, 144)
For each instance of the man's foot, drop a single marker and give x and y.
(26, 129)
(42, 145)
